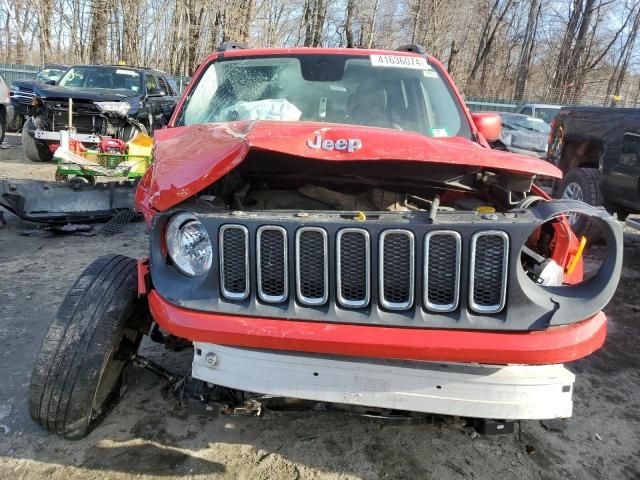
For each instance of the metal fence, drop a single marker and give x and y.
(484, 104)
(13, 71)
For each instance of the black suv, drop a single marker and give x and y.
(107, 100)
(598, 151)
(22, 90)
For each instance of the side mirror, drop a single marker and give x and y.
(488, 124)
(156, 92)
(50, 82)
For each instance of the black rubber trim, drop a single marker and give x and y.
(528, 306)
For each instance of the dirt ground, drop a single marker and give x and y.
(147, 436)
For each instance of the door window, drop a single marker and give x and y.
(630, 150)
(151, 82)
(164, 86)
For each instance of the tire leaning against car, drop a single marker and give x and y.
(96, 332)
(585, 182)
(3, 124)
(35, 150)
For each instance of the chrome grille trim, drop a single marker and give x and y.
(306, 300)
(367, 285)
(473, 305)
(439, 307)
(284, 263)
(390, 305)
(240, 295)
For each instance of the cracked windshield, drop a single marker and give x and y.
(376, 91)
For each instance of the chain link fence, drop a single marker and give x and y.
(13, 71)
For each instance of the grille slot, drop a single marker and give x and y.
(234, 261)
(353, 258)
(272, 264)
(397, 269)
(442, 253)
(312, 266)
(487, 280)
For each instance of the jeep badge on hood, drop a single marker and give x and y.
(348, 144)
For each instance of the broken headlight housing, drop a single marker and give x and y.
(188, 245)
(120, 108)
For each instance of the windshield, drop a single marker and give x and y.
(388, 91)
(531, 124)
(546, 113)
(49, 74)
(119, 80)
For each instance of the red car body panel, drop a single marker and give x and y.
(189, 159)
(554, 345)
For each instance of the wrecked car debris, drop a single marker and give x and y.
(60, 203)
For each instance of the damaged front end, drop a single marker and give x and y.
(90, 121)
(371, 258)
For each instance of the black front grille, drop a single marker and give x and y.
(442, 270)
(397, 269)
(312, 266)
(272, 264)
(488, 264)
(341, 267)
(353, 277)
(86, 117)
(234, 261)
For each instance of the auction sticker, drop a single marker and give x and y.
(400, 61)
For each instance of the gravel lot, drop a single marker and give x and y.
(147, 436)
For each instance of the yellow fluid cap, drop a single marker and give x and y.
(485, 209)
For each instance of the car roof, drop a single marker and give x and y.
(541, 105)
(252, 52)
(514, 115)
(129, 67)
(57, 66)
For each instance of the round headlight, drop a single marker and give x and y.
(188, 245)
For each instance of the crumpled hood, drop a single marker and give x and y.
(189, 159)
(26, 84)
(43, 90)
(524, 140)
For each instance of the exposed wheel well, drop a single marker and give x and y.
(584, 153)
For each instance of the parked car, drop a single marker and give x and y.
(22, 90)
(542, 111)
(6, 110)
(523, 134)
(331, 225)
(115, 101)
(598, 151)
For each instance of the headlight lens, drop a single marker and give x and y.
(14, 88)
(121, 108)
(188, 245)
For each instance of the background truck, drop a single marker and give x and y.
(598, 151)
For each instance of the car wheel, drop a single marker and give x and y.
(95, 333)
(35, 150)
(582, 184)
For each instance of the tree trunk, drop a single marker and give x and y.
(98, 38)
(522, 72)
(348, 24)
(130, 27)
(451, 64)
(488, 36)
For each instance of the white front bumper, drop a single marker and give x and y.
(55, 136)
(516, 392)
